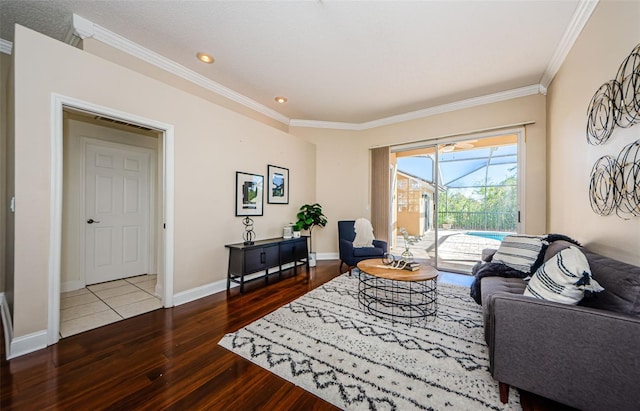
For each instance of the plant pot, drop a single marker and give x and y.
(296, 234)
(446, 226)
(312, 259)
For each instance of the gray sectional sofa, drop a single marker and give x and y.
(586, 356)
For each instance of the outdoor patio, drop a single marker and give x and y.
(457, 250)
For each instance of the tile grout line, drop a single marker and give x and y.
(142, 289)
(109, 307)
(107, 304)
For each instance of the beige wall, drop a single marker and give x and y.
(343, 168)
(211, 144)
(609, 36)
(342, 180)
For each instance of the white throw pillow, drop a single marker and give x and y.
(364, 233)
(563, 279)
(519, 252)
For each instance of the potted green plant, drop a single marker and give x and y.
(310, 216)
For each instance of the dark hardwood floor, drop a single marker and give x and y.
(169, 359)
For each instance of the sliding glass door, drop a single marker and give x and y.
(453, 199)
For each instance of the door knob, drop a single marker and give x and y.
(91, 221)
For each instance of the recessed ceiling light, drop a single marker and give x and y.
(280, 99)
(205, 58)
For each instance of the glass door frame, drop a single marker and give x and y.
(436, 144)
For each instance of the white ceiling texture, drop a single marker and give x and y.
(348, 62)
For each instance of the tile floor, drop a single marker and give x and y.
(101, 304)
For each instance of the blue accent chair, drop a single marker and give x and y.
(351, 255)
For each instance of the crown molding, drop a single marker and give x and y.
(431, 111)
(335, 125)
(578, 21)
(6, 46)
(85, 28)
(71, 37)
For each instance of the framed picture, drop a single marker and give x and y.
(249, 194)
(278, 189)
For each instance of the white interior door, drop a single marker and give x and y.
(116, 212)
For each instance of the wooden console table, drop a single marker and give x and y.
(263, 255)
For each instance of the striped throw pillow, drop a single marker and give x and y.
(563, 278)
(519, 252)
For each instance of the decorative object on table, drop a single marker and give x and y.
(287, 231)
(278, 185)
(616, 102)
(310, 216)
(249, 194)
(249, 235)
(615, 183)
(391, 262)
(409, 240)
(351, 255)
(329, 345)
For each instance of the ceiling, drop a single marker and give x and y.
(337, 61)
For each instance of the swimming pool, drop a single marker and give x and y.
(493, 235)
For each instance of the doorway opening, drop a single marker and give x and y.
(110, 211)
(455, 198)
(112, 214)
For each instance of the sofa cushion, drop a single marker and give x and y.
(621, 282)
(368, 252)
(519, 252)
(563, 279)
(554, 248)
(493, 285)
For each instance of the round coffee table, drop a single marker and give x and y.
(408, 297)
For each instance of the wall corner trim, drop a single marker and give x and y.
(578, 21)
(6, 324)
(82, 27)
(27, 344)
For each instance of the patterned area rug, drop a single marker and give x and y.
(325, 343)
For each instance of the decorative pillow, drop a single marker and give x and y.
(364, 233)
(519, 252)
(563, 279)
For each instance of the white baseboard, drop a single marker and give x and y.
(71, 286)
(193, 294)
(328, 256)
(206, 290)
(27, 344)
(6, 323)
